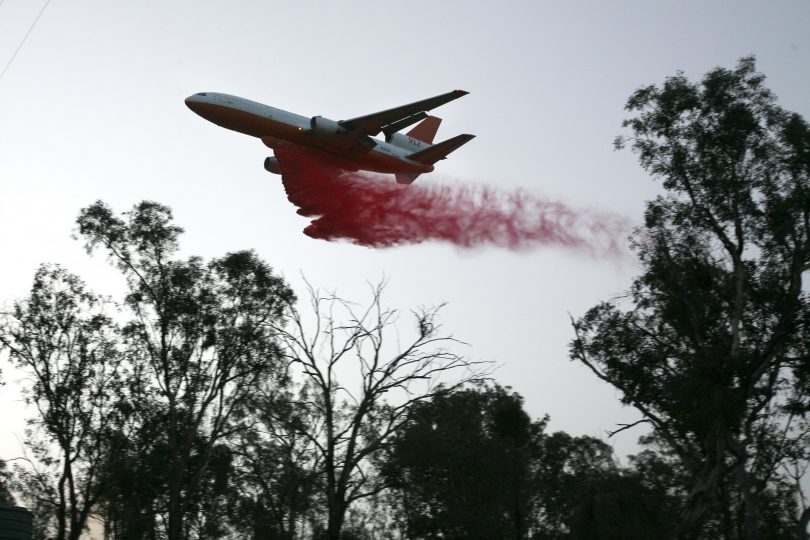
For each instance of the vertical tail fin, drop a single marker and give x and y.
(425, 130)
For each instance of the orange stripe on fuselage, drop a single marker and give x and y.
(247, 123)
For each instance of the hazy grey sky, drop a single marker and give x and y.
(93, 108)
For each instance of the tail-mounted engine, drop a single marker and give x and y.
(404, 141)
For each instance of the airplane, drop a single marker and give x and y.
(348, 144)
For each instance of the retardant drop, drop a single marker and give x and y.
(373, 210)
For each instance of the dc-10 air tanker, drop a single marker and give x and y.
(347, 144)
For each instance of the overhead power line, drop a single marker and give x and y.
(20, 46)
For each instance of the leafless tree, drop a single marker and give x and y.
(348, 424)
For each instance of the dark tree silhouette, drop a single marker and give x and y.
(711, 344)
(564, 470)
(6, 498)
(135, 469)
(277, 468)
(201, 336)
(461, 466)
(346, 426)
(61, 338)
(471, 464)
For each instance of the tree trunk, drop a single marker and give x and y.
(61, 511)
(175, 529)
(704, 490)
(804, 520)
(75, 532)
(337, 512)
(751, 521)
(175, 522)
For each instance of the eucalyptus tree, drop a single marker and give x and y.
(711, 343)
(201, 334)
(63, 340)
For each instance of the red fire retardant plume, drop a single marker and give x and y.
(375, 211)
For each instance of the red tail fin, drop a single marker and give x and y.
(426, 129)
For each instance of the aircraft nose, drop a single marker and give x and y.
(193, 101)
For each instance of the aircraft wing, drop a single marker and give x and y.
(405, 115)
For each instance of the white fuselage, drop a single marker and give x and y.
(276, 127)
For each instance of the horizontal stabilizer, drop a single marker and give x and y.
(426, 130)
(431, 155)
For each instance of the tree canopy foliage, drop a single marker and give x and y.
(62, 339)
(6, 497)
(472, 464)
(711, 343)
(200, 336)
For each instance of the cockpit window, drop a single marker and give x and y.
(202, 94)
